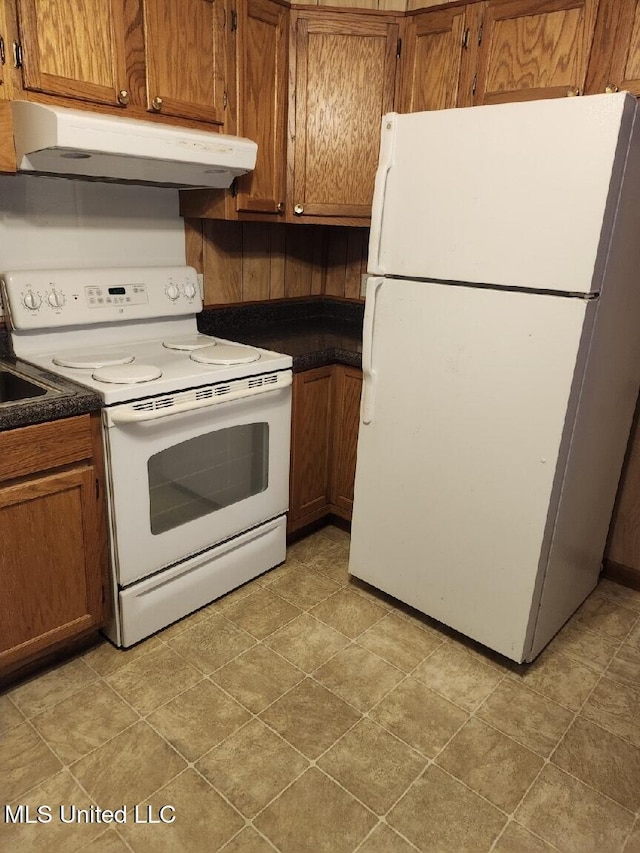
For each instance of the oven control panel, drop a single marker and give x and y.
(41, 299)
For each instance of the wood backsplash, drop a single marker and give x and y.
(255, 261)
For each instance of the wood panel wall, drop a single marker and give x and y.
(255, 261)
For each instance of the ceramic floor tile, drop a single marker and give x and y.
(84, 721)
(336, 534)
(310, 718)
(623, 595)
(257, 678)
(384, 840)
(10, 716)
(212, 643)
(399, 641)
(419, 717)
(375, 595)
(41, 692)
(358, 676)
(127, 769)
(185, 623)
(615, 707)
(348, 612)
(372, 765)
(573, 817)
(198, 719)
(633, 842)
(106, 659)
(528, 717)
(154, 679)
(458, 676)
(439, 813)
(333, 821)
(593, 649)
(261, 613)
(289, 565)
(332, 561)
(252, 767)
(558, 677)
(307, 642)
(203, 820)
(303, 588)
(634, 635)
(603, 761)
(108, 842)
(25, 760)
(225, 601)
(625, 666)
(517, 839)
(491, 764)
(311, 546)
(607, 617)
(60, 794)
(248, 841)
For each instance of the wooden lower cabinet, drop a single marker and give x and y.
(53, 552)
(324, 435)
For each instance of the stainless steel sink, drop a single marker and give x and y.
(15, 387)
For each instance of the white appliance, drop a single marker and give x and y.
(501, 361)
(196, 432)
(80, 143)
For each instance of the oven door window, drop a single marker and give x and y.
(206, 474)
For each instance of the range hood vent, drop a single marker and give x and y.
(83, 144)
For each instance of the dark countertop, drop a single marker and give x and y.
(314, 331)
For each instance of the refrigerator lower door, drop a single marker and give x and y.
(468, 409)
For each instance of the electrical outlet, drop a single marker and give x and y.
(363, 284)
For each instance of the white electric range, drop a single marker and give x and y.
(196, 432)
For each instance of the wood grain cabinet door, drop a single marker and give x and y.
(74, 49)
(49, 562)
(534, 49)
(343, 73)
(439, 48)
(262, 92)
(184, 49)
(614, 63)
(348, 390)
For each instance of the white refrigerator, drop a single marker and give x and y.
(501, 361)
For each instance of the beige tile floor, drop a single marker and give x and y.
(304, 713)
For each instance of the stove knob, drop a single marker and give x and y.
(172, 292)
(32, 300)
(56, 299)
(189, 290)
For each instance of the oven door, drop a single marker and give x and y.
(195, 468)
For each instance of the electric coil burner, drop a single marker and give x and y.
(196, 432)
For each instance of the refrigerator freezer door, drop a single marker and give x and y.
(470, 395)
(518, 195)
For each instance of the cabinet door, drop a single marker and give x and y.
(344, 79)
(50, 562)
(534, 49)
(184, 48)
(437, 48)
(262, 92)
(615, 56)
(347, 392)
(312, 414)
(74, 49)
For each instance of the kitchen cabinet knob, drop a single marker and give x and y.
(280, 207)
(573, 92)
(611, 88)
(156, 103)
(298, 209)
(123, 97)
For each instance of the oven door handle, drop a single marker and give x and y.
(130, 415)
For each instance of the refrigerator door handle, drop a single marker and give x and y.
(385, 162)
(368, 371)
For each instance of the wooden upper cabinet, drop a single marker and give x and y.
(343, 76)
(534, 49)
(74, 49)
(615, 56)
(439, 49)
(184, 48)
(262, 92)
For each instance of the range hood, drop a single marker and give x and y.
(77, 143)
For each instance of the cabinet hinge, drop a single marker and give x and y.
(3, 57)
(234, 20)
(234, 188)
(480, 33)
(474, 85)
(398, 48)
(17, 54)
(225, 100)
(97, 489)
(465, 39)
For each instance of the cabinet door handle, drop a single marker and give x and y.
(123, 97)
(298, 209)
(611, 88)
(156, 103)
(280, 207)
(573, 92)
